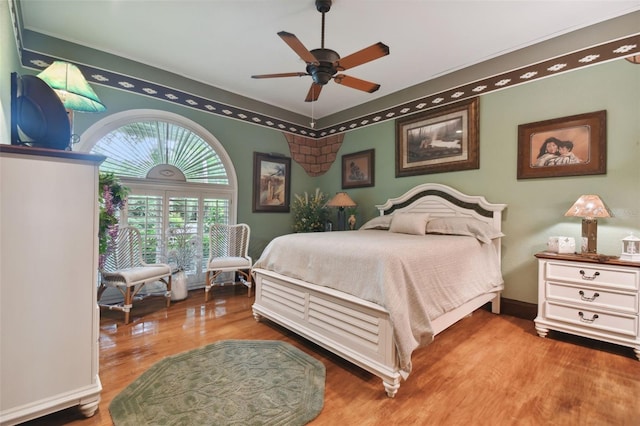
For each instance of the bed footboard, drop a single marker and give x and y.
(353, 329)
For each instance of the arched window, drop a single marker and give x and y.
(181, 180)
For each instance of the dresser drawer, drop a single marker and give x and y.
(593, 318)
(593, 298)
(594, 275)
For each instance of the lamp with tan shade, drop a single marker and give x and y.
(589, 208)
(341, 200)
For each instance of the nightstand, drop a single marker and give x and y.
(590, 297)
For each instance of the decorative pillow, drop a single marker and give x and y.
(469, 226)
(380, 222)
(409, 223)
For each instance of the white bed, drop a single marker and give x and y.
(352, 313)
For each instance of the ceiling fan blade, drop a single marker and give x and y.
(298, 47)
(356, 83)
(283, 74)
(363, 56)
(314, 92)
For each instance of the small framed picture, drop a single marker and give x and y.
(442, 140)
(358, 169)
(271, 183)
(567, 146)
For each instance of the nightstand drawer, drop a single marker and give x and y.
(592, 298)
(594, 275)
(596, 319)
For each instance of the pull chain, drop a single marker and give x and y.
(322, 33)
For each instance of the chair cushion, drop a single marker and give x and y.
(229, 262)
(139, 274)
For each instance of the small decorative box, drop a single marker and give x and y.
(561, 245)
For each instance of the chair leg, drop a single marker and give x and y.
(207, 286)
(210, 277)
(167, 295)
(128, 304)
(246, 281)
(101, 290)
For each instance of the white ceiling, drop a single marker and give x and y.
(223, 42)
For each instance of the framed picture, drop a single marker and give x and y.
(271, 183)
(567, 146)
(358, 169)
(441, 140)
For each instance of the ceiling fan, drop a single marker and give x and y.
(324, 64)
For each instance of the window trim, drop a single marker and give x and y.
(101, 128)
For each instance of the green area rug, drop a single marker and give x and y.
(232, 382)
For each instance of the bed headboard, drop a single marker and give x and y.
(443, 201)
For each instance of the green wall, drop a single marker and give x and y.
(535, 206)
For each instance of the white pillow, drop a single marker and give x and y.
(380, 222)
(469, 226)
(409, 223)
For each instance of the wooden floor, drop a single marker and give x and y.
(485, 370)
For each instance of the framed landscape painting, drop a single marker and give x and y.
(271, 183)
(441, 140)
(567, 146)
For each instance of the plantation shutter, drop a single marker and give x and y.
(146, 214)
(215, 210)
(178, 234)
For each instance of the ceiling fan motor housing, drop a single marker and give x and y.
(322, 73)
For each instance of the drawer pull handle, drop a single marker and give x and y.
(583, 319)
(588, 299)
(585, 277)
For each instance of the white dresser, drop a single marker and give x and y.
(591, 297)
(48, 265)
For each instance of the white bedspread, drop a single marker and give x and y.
(416, 278)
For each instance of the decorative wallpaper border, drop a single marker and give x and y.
(600, 53)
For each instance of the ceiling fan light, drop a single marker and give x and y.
(323, 73)
(321, 77)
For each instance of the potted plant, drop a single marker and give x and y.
(112, 197)
(183, 250)
(309, 212)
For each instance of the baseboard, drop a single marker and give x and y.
(518, 309)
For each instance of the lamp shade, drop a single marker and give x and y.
(341, 199)
(72, 88)
(589, 206)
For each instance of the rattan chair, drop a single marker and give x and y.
(228, 252)
(126, 270)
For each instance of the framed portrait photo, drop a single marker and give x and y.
(567, 146)
(358, 169)
(440, 140)
(271, 183)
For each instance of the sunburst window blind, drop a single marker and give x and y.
(136, 148)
